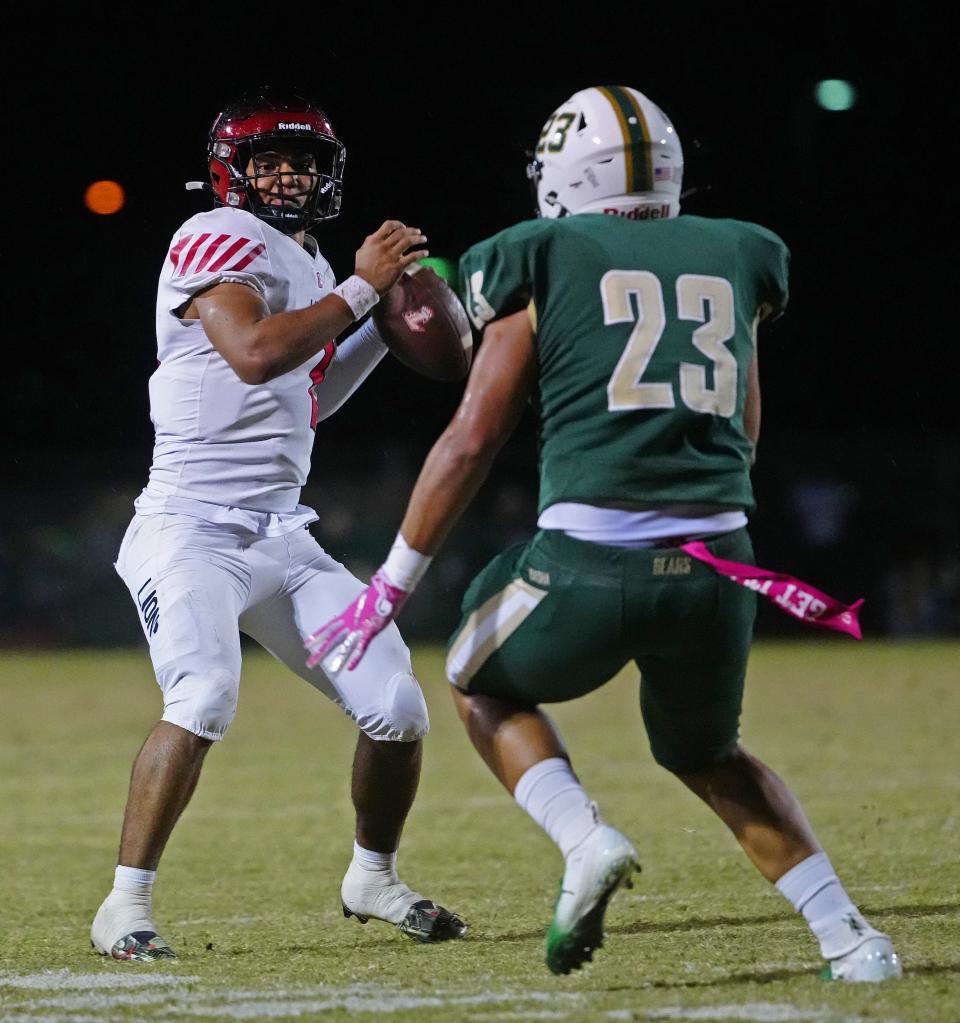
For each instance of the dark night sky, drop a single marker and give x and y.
(436, 119)
(437, 105)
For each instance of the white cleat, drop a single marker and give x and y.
(601, 864)
(370, 895)
(872, 961)
(129, 937)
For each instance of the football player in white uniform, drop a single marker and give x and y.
(254, 352)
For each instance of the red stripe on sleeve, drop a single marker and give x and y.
(191, 252)
(177, 249)
(230, 253)
(210, 250)
(248, 258)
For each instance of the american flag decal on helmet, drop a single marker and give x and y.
(225, 252)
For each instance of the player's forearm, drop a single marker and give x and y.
(454, 471)
(268, 345)
(751, 411)
(357, 356)
(280, 343)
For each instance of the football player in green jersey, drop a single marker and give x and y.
(633, 331)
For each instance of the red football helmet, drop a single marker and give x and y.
(265, 123)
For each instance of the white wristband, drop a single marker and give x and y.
(359, 294)
(404, 566)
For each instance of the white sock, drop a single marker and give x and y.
(132, 895)
(370, 860)
(813, 889)
(134, 880)
(127, 908)
(371, 886)
(553, 797)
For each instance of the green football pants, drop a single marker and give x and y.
(555, 618)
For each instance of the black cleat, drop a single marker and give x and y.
(427, 922)
(140, 947)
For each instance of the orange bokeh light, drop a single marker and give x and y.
(104, 197)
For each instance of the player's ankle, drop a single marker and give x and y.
(551, 794)
(372, 862)
(842, 932)
(134, 880)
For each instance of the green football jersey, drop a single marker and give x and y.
(645, 333)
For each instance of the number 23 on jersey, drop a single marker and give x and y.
(702, 299)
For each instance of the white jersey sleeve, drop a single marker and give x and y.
(222, 246)
(219, 440)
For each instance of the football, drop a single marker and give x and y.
(425, 326)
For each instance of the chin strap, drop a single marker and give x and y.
(198, 186)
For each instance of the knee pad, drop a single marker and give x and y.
(402, 715)
(202, 703)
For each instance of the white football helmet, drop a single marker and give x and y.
(608, 149)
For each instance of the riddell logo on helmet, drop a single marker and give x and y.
(293, 126)
(641, 212)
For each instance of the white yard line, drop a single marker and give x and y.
(59, 996)
(64, 980)
(760, 1012)
(82, 997)
(542, 1014)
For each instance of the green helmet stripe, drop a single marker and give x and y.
(636, 137)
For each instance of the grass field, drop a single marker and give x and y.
(248, 892)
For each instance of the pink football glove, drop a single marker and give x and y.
(367, 616)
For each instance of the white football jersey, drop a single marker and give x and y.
(219, 440)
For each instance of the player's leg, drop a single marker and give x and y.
(691, 698)
(164, 775)
(384, 698)
(757, 806)
(383, 785)
(511, 737)
(541, 623)
(188, 609)
(769, 823)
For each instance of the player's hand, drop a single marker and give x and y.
(383, 256)
(350, 632)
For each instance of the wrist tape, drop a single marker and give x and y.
(404, 566)
(359, 294)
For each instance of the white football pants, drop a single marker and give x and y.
(198, 585)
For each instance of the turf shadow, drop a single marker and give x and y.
(730, 980)
(772, 976)
(706, 923)
(918, 909)
(697, 924)
(653, 927)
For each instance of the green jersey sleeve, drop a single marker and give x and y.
(771, 258)
(497, 274)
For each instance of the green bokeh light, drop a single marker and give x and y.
(445, 268)
(835, 94)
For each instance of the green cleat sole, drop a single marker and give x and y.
(567, 951)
